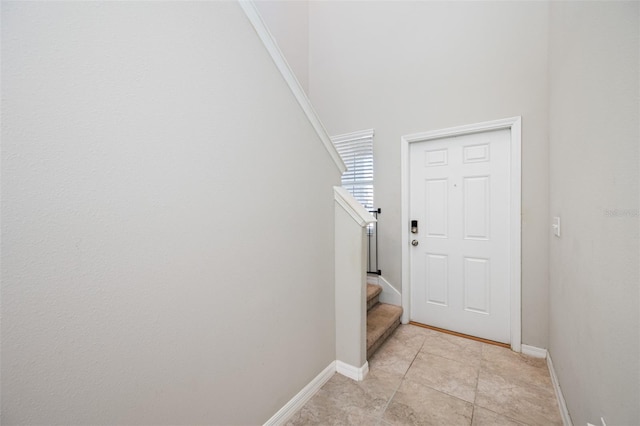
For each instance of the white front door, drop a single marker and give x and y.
(459, 189)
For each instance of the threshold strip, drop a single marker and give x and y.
(466, 336)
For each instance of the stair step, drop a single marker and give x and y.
(373, 291)
(382, 320)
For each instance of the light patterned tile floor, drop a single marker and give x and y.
(423, 377)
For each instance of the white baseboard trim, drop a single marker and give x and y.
(564, 412)
(301, 398)
(352, 372)
(533, 351)
(389, 293)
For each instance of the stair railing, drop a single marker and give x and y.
(372, 244)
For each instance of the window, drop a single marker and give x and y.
(356, 150)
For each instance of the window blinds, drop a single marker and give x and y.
(356, 150)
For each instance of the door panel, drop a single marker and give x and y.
(477, 285)
(437, 279)
(436, 191)
(459, 194)
(476, 207)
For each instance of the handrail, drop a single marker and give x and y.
(352, 206)
(250, 9)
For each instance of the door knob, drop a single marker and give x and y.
(414, 243)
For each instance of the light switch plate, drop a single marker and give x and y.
(556, 226)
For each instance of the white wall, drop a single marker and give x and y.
(594, 134)
(154, 267)
(288, 22)
(407, 67)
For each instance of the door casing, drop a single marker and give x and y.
(515, 170)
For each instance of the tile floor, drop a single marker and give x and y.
(423, 377)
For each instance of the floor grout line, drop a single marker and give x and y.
(403, 376)
(471, 410)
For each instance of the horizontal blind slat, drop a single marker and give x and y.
(357, 154)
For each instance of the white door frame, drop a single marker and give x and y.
(514, 125)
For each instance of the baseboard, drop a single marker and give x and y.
(301, 398)
(389, 293)
(533, 351)
(352, 372)
(562, 405)
(564, 412)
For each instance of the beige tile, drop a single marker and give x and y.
(516, 368)
(454, 347)
(415, 404)
(322, 409)
(411, 336)
(319, 410)
(492, 353)
(368, 397)
(484, 417)
(442, 374)
(528, 404)
(394, 356)
(311, 416)
(445, 375)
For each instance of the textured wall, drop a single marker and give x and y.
(595, 134)
(167, 219)
(407, 67)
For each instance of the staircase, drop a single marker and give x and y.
(382, 319)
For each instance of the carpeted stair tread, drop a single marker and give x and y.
(372, 291)
(382, 319)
